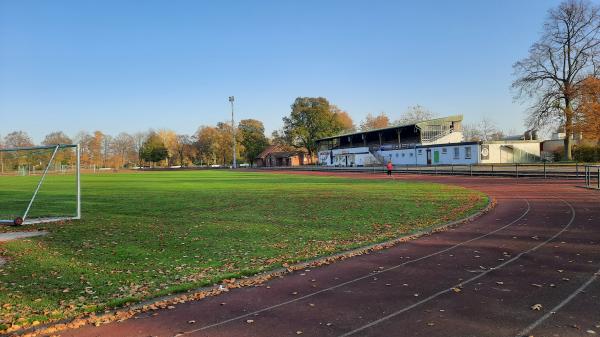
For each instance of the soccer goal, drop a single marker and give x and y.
(40, 184)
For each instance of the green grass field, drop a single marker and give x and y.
(148, 234)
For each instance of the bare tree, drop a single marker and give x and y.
(139, 138)
(415, 114)
(124, 148)
(17, 139)
(567, 52)
(485, 130)
(185, 149)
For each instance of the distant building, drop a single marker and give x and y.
(556, 144)
(433, 142)
(280, 156)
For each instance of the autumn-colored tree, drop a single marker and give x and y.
(225, 143)
(310, 119)
(207, 144)
(343, 118)
(169, 138)
(375, 122)
(565, 55)
(252, 137)
(96, 145)
(587, 119)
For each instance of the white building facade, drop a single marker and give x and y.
(445, 147)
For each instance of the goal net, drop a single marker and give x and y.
(40, 184)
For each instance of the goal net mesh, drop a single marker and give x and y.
(38, 184)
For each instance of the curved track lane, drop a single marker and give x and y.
(540, 245)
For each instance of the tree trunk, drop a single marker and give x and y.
(568, 130)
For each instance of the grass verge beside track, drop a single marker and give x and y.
(150, 234)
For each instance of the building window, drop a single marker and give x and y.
(456, 153)
(444, 150)
(403, 154)
(420, 152)
(468, 152)
(411, 154)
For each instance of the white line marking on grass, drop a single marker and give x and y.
(361, 277)
(396, 313)
(559, 306)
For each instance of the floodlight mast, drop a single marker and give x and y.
(231, 99)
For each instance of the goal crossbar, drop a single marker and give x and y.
(24, 220)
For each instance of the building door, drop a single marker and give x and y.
(428, 156)
(436, 156)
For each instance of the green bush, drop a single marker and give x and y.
(586, 153)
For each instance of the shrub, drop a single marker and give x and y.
(587, 153)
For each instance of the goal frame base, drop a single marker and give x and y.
(35, 221)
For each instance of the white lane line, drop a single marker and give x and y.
(405, 309)
(361, 277)
(554, 310)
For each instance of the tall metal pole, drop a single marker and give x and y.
(78, 177)
(231, 99)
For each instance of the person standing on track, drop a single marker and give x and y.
(390, 167)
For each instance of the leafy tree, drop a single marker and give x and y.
(207, 144)
(343, 118)
(169, 138)
(375, 122)
(310, 119)
(153, 149)
(252, 134)
(565, 55)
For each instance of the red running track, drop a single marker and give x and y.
(539, 245)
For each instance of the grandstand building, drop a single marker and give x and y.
(432, 142)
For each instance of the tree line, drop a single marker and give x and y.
(310, 118)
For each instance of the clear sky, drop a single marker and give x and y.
(133, 65)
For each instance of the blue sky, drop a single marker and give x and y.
(133, 65)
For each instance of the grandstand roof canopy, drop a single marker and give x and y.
(420, 125)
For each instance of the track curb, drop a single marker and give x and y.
(165, 302)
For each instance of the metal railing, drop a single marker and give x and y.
(534, 170)
(592, 176)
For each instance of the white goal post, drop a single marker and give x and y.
(24, 216)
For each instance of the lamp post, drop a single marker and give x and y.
(231, 99)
